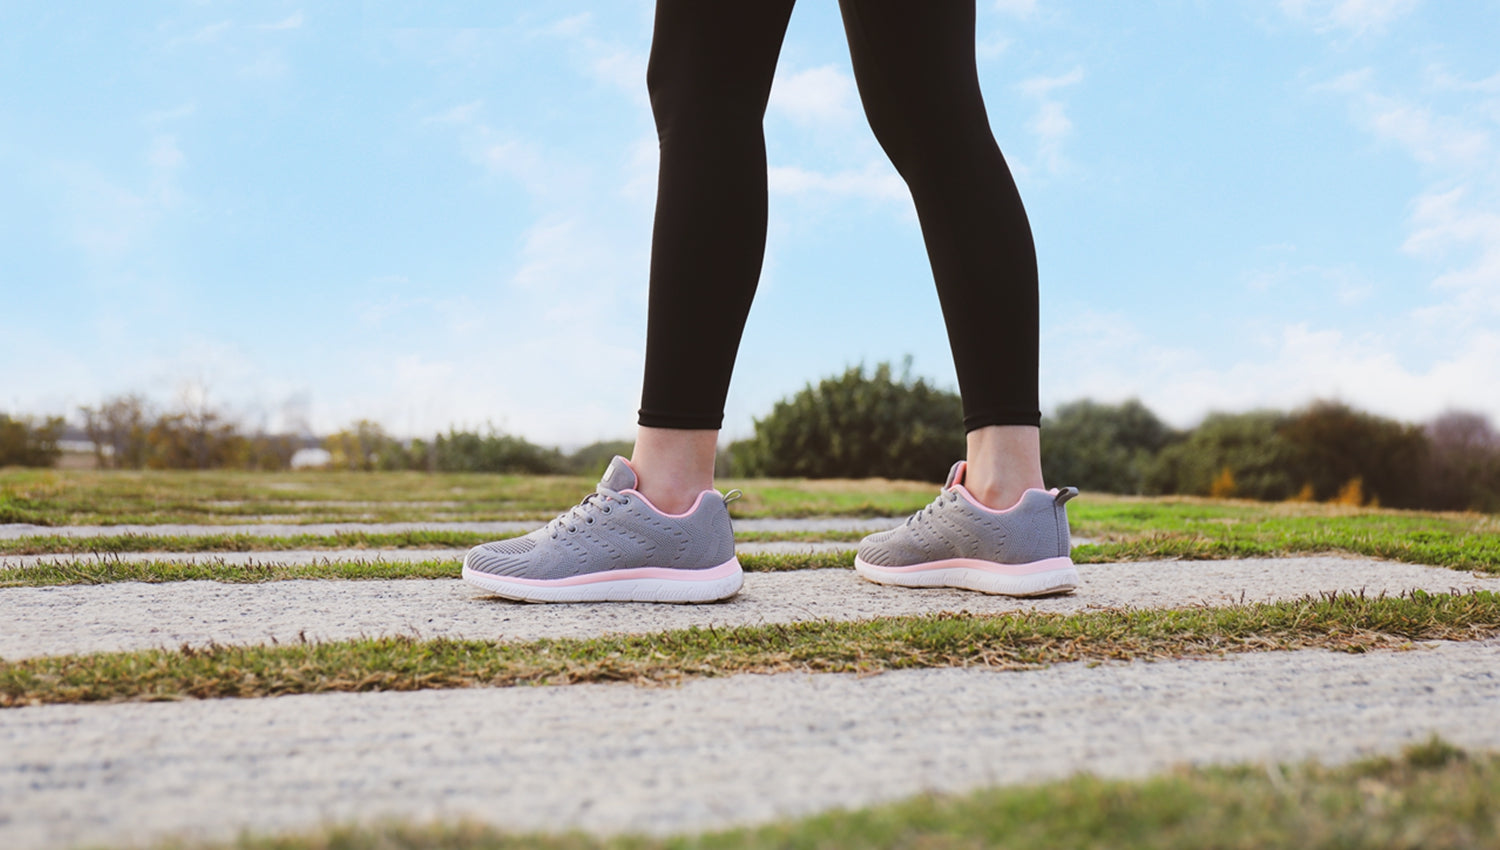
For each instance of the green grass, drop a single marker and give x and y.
(1125, 528)
(45, 544)
(122, 497)
(1025, 640)
(62, 572)
(1138, 529)
(1432, 797)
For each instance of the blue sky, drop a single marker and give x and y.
(440, 213)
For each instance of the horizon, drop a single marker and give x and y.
(438, 217)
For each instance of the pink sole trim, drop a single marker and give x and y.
(1044, 566)
(724, 570)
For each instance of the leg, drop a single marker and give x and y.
(709, 77)
(914, 64)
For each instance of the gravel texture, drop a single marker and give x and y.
(13, 531)
(319, 556)
(709, 753)
(131, 615)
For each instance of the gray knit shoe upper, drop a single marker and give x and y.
(613, 528)
(953, 526)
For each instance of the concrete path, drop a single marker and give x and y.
(707, 754)
(321, 556)
(91, 618)
(13, 531)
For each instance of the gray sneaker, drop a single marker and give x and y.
(615, 546)
(957, 542)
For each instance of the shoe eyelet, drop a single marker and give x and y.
(624, 501)
(590, 520)
(606, 510)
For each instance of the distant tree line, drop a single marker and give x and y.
(28, 441)
(878, 423)
(857, 425)
(128, 432)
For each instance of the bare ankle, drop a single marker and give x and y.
(673, 466)
(1004, 461)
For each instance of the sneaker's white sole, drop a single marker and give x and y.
(642, 584)
(1039, 578)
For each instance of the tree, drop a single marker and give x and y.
(23, 442)
(360, 447)
(1335, 444)
(1462, 469)
(118, 428)
(470, 451)
(1102, 447)
(856, 426)
(1243, 452)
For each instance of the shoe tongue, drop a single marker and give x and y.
(956, 474)
(619, 475)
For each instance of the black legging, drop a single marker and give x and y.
(710, 76)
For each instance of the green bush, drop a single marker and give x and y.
(24, 442)
(592, 459)
(1335, 445)
(1230, 454)
(857, 426)
(1106, 448)
(470, 451)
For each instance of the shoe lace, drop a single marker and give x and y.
(587, 508)
(920, 516)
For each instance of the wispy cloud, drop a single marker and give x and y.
(1353, 16)
(290, 22)
(1019, 8)
(825, 94)
(1050, 125)
(1455, 222)
(875, 182)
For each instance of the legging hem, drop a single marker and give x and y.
(680, 423)
(1003, 417)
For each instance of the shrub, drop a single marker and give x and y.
(1102, 447)
(1334, 445)
(1249, 446)
(856, 426)
(592, 459)
(1462, 467)
(24, 442)
(470, 451)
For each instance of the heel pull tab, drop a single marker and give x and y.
(1064, 494)
(735, 494)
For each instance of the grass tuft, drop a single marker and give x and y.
(1410, 801)
(1026, 640)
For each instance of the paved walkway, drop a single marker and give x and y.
(13, 531)
(707, 754)
(91, 618)
(321, 556)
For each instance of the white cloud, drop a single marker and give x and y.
(290, 22)
(463, 113)
(1019, 8)
(876, 182)
(208, 33)
(1354, 16)
(1345, 283)
(992, 45)
(1105, 357)
(1045, 86)
(1051, 125)
(108, 218)
(1455, 223)
(816, 95)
